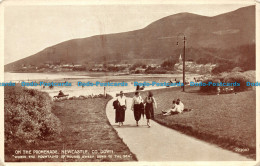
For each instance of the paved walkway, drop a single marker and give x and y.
(160, 143)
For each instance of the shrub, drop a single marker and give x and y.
(28, 115)
(210, 88)
(240, 78)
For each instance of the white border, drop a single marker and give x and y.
(113, 2)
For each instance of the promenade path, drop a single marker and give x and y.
(160, 143)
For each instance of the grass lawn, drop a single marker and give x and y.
(228, 120)
(84, 127)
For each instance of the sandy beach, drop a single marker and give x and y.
(76, 90)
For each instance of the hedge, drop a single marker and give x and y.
(238, 77)
(28, 116)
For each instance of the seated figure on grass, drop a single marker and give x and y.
(177, 108)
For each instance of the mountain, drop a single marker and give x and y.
(219, 37)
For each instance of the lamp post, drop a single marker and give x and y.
(183, 70)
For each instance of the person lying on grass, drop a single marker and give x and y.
(177, 108)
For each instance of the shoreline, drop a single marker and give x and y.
(88, 75)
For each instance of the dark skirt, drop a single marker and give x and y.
(137, 112)
(120, 114)
(149, 111)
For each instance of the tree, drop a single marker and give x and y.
(168, 64)
(225, 67)
(137, 64)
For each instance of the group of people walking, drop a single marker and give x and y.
(142, 107)
(139, 106)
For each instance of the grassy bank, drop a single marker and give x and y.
(83, 126)
(226, 120)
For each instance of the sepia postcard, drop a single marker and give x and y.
(140, 82)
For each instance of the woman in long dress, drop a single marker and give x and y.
(120, 111)
(150, 105)
(136, 107)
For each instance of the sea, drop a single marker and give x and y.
(74, 77)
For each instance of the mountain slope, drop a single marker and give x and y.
(157, 41)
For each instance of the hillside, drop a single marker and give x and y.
(212, 38)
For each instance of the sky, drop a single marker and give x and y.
(31, 28)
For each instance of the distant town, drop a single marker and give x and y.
(167, 67)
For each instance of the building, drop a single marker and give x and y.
(191, 66)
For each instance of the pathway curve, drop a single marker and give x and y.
(160, 143)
